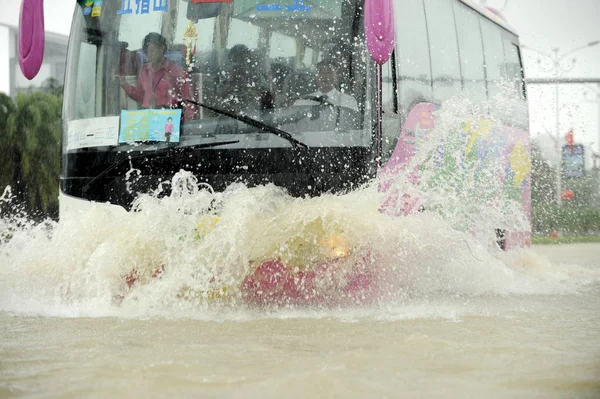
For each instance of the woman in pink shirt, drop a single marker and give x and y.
(160, 83)
(168, 129)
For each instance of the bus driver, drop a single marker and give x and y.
(161, 83)
(327, 81)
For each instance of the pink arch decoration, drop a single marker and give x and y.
(497, 13)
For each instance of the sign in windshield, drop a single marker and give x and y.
(289, 8)
(150, 125)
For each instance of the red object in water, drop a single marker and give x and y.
(330, 283)
(567, 194)
(132, 277)
(265, 285)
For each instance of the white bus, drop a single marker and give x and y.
(313, 96)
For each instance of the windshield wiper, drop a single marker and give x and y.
(162, 153)
(253, 122)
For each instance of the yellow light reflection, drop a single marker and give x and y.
(335, 246)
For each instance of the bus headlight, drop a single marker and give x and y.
(335, 246)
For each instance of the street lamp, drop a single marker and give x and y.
(556, 60)
(596, 157)
(595, 97)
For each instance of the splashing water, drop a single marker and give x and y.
(191, 252)
(83, 263)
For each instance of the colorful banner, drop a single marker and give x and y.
(150, 125)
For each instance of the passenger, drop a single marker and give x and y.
(279, 73)
(160, 83)
(240, 89)
(240, 55)
(339, 52)
(327, 81)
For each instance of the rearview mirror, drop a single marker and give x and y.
(199, 9)
(379, 29)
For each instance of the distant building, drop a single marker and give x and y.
(58, 15)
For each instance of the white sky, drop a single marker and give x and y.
(541, 24)
(566, 25)
(58, 14)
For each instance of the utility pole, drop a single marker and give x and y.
(595, 98)
(596, 156)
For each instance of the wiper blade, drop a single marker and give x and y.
(253, 122)
(161, 153)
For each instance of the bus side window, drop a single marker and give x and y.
(412, 56)
(390, 118)
(514, 70)
(86, 82)
(494, 57)
(445, 67)
(471, 53)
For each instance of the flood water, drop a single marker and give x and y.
(459, 318)
(544, 345)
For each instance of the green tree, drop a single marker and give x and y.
(576, 216)
(30, 152)
(52, 86)
(584, 189)
(7, 108)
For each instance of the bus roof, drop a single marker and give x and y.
(490, 15)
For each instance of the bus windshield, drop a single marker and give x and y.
(141, 71)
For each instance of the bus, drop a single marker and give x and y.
(311, 96)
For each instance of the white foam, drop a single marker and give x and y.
(77, 267)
